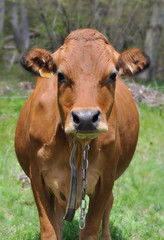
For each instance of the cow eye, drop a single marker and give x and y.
(112, 77)
(61, 77)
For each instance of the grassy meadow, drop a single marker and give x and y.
(138, 210)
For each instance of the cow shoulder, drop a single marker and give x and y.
(44, 114)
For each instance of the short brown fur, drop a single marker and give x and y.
(45, 129)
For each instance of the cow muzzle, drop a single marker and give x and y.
(86, 121)
(86, 124)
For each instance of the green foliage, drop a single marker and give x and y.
(124, 22)
(138, 211)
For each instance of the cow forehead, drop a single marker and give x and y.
(86, 35)
(87, 55)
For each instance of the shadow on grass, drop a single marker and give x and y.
(116, 232)
(71, 231)
(37, 238)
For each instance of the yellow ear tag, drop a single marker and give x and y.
(44, 73)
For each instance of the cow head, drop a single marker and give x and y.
(86, 67)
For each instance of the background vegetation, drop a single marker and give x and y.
(138, 211)
(46, 23)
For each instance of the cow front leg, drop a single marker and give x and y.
(60, 212)
(105, 220)
(97, 206)
(45, 204)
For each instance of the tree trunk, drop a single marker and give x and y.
(153, 40)
(2, 14)
(44, 19)
(20, 31)
(24, 26)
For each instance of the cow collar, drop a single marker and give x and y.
(71, 207)
(72, 202)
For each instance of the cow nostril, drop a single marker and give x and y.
(85, 121)
(75, 118)
(96, 117)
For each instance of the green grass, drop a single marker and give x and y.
(139, 197)
(138, 210)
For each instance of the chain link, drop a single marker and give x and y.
(83, 203)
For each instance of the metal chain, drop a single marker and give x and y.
(83, 203)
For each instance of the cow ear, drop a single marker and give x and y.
(132, 62)
(39, 62)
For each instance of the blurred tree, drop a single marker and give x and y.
(2, 14)
(46, 23)
(153, 40)
(20, 28)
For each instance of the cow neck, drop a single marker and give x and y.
(72, 202)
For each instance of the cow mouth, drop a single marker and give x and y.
(87, 136)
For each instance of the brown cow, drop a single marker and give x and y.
(86, 99)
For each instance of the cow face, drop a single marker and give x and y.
(86, 67)
(86, 85)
